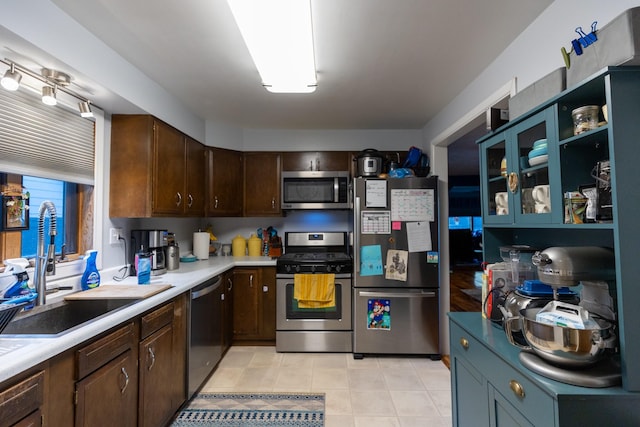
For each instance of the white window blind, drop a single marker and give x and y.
(45, 141)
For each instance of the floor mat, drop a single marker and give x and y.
(253, 410)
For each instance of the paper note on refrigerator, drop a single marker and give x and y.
(376, 193)
(419, 236)
(371, 260)
(375, 222)
(415, 204)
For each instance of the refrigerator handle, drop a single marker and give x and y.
(386, 294)
(356, 235)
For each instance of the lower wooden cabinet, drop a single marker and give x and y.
(155, 375)
(254, 305)
(21, 403)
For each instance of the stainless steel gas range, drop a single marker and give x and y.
(318, 266)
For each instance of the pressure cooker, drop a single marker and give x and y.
(369, 163)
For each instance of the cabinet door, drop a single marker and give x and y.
(156, 378)
(496, 199)
(534, 199)
(316, 161)
(196, 178)
(268, 290)
(503, 414)
(109, 394)
(247, 309)
(469, 389)
(169, 171)
(227, 312)
(224, 182)
(262, 184)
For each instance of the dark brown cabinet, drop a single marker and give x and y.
(224, 182)
(107, 380)
(155, 170)
(316, 161)
(262, 184)
(254, 307)
(155, 370)
(21, 404)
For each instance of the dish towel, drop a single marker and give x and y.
(314, 290)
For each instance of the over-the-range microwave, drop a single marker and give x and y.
(315, 190)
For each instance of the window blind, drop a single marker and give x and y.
(44, 141)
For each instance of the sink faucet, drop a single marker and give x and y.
(45, 266)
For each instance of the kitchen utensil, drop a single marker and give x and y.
(369, 162)
(254, 245)
(239, 246)
(7, 313)
(560, 345)
(538, 160)
(173, 257)
(566, 266)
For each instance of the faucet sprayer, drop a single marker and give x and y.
(45, 266)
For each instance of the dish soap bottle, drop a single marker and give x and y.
(91, 276)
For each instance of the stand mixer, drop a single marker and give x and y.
(578, 345)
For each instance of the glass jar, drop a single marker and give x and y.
(585, 118)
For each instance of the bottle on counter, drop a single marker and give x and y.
(91, 276)
(144, 267)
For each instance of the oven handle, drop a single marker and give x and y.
(421, 294)
(206, 289)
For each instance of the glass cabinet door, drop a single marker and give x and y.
(493, 173)
(533, 147)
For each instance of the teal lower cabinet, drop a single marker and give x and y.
(490, 387)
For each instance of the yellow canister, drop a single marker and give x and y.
(239, 246)
(255, 245)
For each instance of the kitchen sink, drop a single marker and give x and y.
(61, 317)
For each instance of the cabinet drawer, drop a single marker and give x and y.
(23, 398)
(463, 345)
(155, 320)
(103, 350)
(537, 406)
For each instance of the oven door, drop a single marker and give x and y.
(291, 317)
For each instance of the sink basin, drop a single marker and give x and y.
(61, 317)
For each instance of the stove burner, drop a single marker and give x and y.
(306, 256)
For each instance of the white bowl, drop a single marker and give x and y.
(538, 160)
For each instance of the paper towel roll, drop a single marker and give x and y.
(201, 245)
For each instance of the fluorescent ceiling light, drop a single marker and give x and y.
(279, 37)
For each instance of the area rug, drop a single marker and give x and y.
(253, 410)
(475, 293)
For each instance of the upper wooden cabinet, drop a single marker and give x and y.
(224, 182)
(316, 161)
(262, 184)
(155, 169)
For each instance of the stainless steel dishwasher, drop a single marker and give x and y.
(205, 332)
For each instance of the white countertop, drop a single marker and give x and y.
(22, 353)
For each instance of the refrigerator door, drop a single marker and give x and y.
(371, 206)
(395, 321)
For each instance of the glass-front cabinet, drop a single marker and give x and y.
(515, 172)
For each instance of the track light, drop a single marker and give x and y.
(85, 109)
(11, 79)
(49, 95)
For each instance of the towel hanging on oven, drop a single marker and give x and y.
(314, 290)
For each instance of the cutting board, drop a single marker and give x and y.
(119, 292)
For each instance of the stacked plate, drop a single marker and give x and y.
(538, 154)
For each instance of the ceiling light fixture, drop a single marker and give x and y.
(85, 109)
(49, 95)
(11, 79)
(279, 37)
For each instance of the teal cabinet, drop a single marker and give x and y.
(607, 156)
(490, 387)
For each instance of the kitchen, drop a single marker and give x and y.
(23, 19)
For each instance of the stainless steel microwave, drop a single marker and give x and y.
(315, 190)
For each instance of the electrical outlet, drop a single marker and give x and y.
(114, 234)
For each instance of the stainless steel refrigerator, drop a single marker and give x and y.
(396, 262)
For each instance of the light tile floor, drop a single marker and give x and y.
(375, 391)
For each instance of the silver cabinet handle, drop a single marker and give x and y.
(251, 281)
(178, 198)
(126, 380)
(153, 358)
(215, 202)
(190, 198)
(273, 203)
(230, 284)
(422, 294)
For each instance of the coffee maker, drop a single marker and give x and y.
(153, 242)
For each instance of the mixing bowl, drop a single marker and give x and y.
(563, 346)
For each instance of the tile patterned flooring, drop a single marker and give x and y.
(375, 391)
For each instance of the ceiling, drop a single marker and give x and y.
(381, 64)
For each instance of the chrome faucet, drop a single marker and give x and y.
(45, 266)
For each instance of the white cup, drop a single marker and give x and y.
(502, 199)
(542, 208)
(541, 194)
(502, 211)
